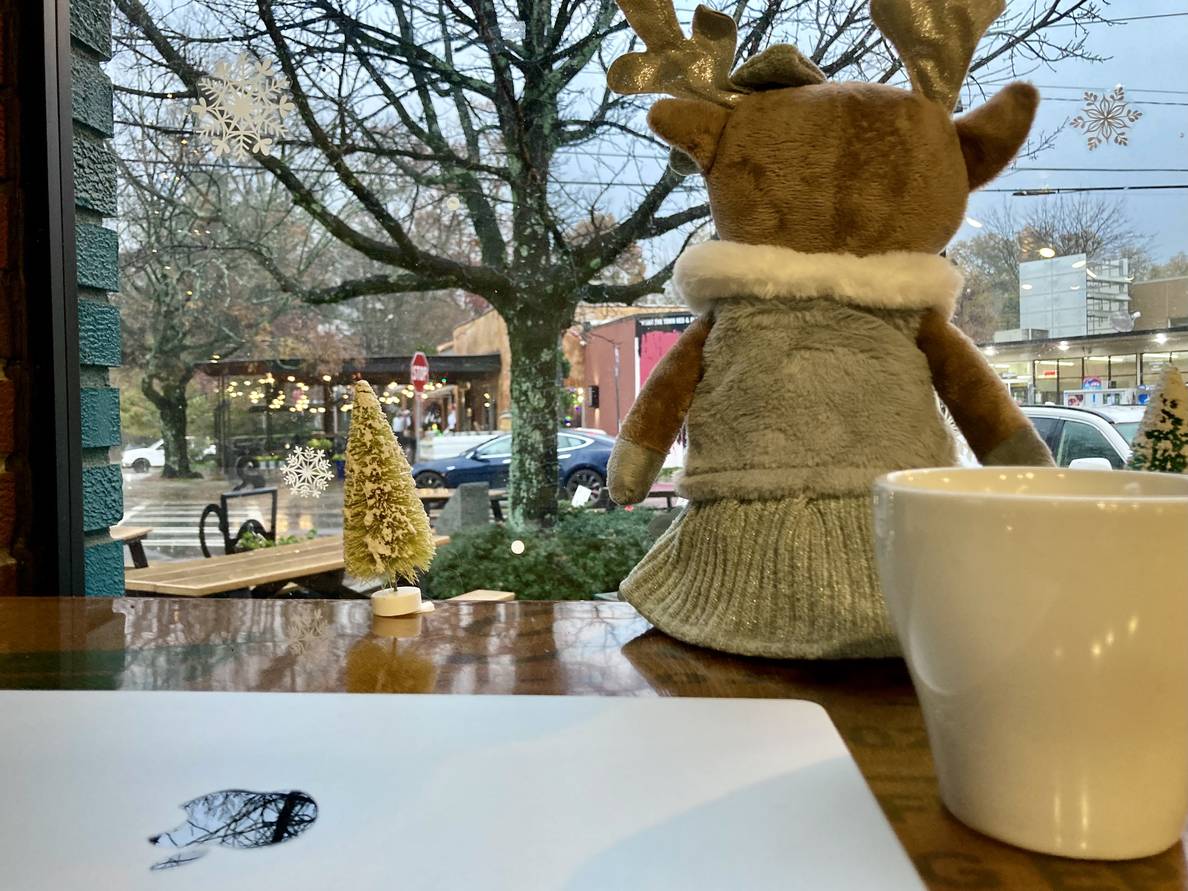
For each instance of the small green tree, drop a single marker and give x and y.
(1162, 441)
(385, 529)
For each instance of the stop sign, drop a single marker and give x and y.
(418, 371)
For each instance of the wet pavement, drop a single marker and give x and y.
(172, 508)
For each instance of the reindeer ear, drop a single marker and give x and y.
(691, 125)
(992, 133)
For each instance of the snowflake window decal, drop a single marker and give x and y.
(242, 107)
(308, 634)
(1106, 118)
(307, 472)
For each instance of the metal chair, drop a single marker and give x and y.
(254, 526)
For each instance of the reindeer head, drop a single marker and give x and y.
(794, 161)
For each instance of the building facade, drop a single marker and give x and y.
(619, 356)
(1062, 297)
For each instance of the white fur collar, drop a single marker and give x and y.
(718, 270)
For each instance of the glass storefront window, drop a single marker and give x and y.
(1047, 377)
(1097, 368)
(1017, 377)
(1123, 371)
(1153, 366)
(1071, 376)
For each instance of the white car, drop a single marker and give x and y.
(142, 460)
(1087, 437)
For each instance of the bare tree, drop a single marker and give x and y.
(191, 289)
(504, 107)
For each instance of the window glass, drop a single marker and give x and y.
(1046, 381)
(566, 441)
(1047, 429)
(1081, 440)
(1072, 377)
(497, 448)
(1128, 429)
(1124, 372)
(311, 193)
(1153, 367)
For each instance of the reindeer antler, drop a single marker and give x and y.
(687, 68)
(935, 39)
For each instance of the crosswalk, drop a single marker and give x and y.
(174, 521)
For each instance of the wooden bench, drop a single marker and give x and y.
(317, 564)
(484, 596)
(434, 498)
(133, 537)
(667, 491)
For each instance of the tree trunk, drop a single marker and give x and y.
(535, 364)
(172, 406)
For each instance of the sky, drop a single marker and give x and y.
(1148, 55)
(1150, 59)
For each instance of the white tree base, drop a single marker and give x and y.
(403, 601)
(398, 627)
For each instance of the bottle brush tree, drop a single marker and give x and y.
(385, 529)
(1162, 441)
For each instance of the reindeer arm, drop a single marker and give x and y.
(656, 418)
(997, 431)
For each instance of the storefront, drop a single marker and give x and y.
(1113, 369)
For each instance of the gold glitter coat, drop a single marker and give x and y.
(785, 578)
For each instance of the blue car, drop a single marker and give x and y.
(582, 456)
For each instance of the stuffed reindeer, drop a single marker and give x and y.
(824, 335)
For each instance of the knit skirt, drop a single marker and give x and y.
(789, 578)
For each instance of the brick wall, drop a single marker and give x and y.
(98, 274)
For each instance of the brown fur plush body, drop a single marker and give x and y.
(828, 170)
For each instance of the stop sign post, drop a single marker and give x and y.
(418, 372)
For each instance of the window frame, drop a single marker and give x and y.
(55, 541)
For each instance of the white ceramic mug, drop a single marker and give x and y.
(1044, 617)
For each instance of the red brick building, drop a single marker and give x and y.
(618, 357)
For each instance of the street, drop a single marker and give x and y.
(173, 507)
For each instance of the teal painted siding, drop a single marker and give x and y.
(90, 93)
(98, 257)
(103, 497)
(100, 417)
(98, 273)
(104, 569)
(99, 334)
(90, 25)
(94, 175)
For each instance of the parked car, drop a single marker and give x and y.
(583, 458)
(144, 459)
(1093, 438)
(1087, 436)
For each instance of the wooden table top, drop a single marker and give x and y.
(204, 576)
(576, 648)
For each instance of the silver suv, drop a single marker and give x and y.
(1077, 434)
(1097, 438)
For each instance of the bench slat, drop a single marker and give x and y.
(201, 577)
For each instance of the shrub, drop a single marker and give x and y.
(253, 541)
(586, 553)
